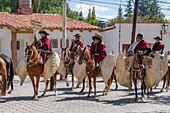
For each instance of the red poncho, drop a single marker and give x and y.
(101, 51)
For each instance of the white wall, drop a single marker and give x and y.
(5, 40)
(149, 30)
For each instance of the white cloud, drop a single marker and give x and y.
(99, 10)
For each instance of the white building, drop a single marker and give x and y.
(149, 30)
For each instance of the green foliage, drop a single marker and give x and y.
(35, 5)
(9, 5)
(128, 9)
(89, 15)
(93, 14)
(92, 22)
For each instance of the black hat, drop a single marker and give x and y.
(98, 37)
(78, 35)
(44, 32)
(140, 35)
(157, 38)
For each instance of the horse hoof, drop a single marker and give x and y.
(81, 91)
(142, 99)
(55, 94)
(67, 85)
(10, 92)
(136, 100)
(115, 89)
(42, 95)
(35, 97)
(71, 89)
(77, 86)
(88, 96)
(161, 90)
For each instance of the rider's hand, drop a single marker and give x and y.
(35, 38)
(96, 54)
(39, 41)
(88, 45)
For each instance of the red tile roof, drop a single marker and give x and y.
(52, 21)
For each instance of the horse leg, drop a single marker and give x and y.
(12, 88)
(72, 80)
(89, 87)
(54, 79)
(37, 85)
(107, 88)
(94, 83)
(67, 84)
(33, 84)
(83, 85)
(114, 76)
(51, 84)
(142, 89)
(135, 84)
(164, 81)
(45, 90)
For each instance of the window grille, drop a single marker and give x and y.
(54, 43)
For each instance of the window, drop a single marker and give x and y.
(54, 43)
(18, 45)
(60, 43)
(67, 42)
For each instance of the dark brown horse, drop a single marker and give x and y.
(92, 72)
(10, 71)
(3, 82)
(35, 69)
(138, 73)
(68, 64)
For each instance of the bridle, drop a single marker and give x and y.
(31, 61)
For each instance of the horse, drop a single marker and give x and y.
(68, 64)
(166, 79)
(10, 71)
(35, 69)
(3, 82)
(92, 72)
(138, 72)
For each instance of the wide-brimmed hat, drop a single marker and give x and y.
(98, 37)
(157, 38)
(44, 32)
(78, 35)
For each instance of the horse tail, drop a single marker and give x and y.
(4, 78)
(12, 72)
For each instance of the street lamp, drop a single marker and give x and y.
(164, 29)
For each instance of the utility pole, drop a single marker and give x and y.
(120, 20)
(134, 21)
(64, 24)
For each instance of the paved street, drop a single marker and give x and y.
(68, 101)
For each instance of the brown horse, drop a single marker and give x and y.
(166, 79)
(3, 82)
(85, 56)
(68, 63)
(138, 73)
(35, 69)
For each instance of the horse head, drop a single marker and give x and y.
(30, 52)
(65, 55)
(82, 55)
(75, 48)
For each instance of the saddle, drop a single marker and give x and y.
(43, 56)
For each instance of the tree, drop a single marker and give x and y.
(93, 14)
(120, 14)
(89, 15)
(128, 9)
(9, 5)
(35, 5)
(81, 16)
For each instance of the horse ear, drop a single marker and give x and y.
(74, 43)
(26, 43)
(79, 48)
(84, 49)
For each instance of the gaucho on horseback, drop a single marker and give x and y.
(140, 45)
(97, 49)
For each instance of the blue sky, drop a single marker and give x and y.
(107, 9)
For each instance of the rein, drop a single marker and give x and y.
(32, 60)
